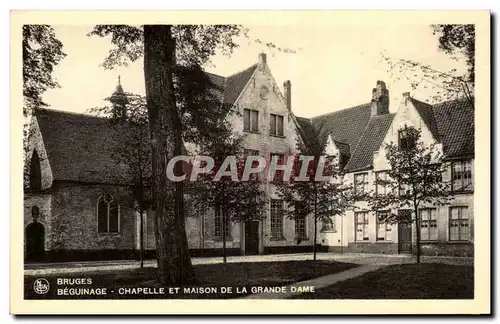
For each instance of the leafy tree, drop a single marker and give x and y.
(459, 42)
(323, 199)
(237, 200)
(413, 180)
(128, 119)
(165, 47)
(41, 52)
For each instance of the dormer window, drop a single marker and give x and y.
(343, 159)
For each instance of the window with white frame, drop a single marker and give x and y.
(428, 224)
(461, 175)
(381, 184)
(277, 219)
(218, 224)
(459, 223)
(360, 183)
(361, 226)
(383, 226)
(300, 227)
(108, 215)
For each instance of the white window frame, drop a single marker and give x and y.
(460, 220)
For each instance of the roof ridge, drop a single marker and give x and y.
(462, 99)
(241, 71)
(217, 75)
(340, 110)
(52, 110)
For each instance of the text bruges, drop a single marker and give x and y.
(78, 291)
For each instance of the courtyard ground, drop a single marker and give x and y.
(405, 281)
(357, 258)
(334, 276)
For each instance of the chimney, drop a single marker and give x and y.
(380, 99)
(287, 87)
(262, 59)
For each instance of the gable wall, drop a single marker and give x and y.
(407, 114)
(275, 104)
(36, 142)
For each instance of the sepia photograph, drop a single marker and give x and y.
(334, 158)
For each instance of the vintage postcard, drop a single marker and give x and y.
(266, 162)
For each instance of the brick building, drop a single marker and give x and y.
(73, 209)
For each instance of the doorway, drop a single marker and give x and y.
(251, 237)
(404, 232)
(35, 241)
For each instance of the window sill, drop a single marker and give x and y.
(109, 234)
(219, 239)
(362, 242)
(302, 238)
(382, 241)
(459, 242)
(277, 238)
(278, 136)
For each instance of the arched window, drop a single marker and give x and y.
(108, 215)
(35, 173)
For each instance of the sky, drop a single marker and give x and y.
(335, 67)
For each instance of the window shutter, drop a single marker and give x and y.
(280, 125)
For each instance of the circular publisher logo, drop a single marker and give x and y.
(41, 286)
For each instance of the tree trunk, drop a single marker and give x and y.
(142, 239)
(174, 263)
(417, 233)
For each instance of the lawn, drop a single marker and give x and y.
(408, 281)
(235, 275)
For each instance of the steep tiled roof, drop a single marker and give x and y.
(451, 123)
(455, 123)
(79, 147)
(345, 125)
(369, 142)
(425, 111)
(306, 130)
(235, 84)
